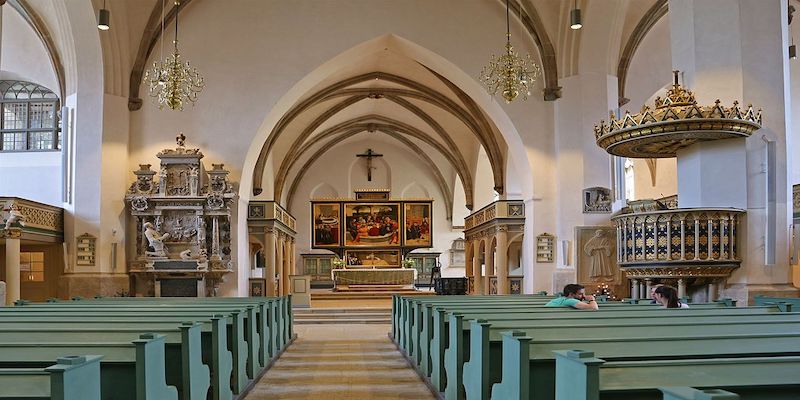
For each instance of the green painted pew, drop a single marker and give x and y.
(279, 311)
(410, 318)
(274, 314)
(687, 393)
(71, 378)
(485, 346)
(183, 346)
(581, 376)
(529, 365)
(187, 313)
(410, 321)
(215, 351)
(401, 305)
(443, 335)
(414, 319)
(766, 301)
(129, 370)
(237, 345)
(435, 323)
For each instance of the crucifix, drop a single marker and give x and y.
(369, 154)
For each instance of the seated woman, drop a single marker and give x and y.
(667, 296)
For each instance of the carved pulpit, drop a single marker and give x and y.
(182, 225)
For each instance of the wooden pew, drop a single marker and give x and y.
(486, 346)
(217, 330)
(687, 393)
(581, 376)
(71, 378)
(183, 347)
(435, 328)
(417, 317)
(129, 370)
(186, 313)
(273, 314)
(529, 364)
(793, 302)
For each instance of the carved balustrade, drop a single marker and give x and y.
(498, 210)
(38, 222)
(688, 242)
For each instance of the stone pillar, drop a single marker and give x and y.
(279, 261)
(269, 260)
(648, 284)
(12, 236)
(501, 263)
(489, 261)
(737, 50)
(681, 287)
(635, 289)
(476, 268)
(469, 254)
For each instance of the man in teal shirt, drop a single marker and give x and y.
(574, 296)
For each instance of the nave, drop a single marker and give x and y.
(340, 361)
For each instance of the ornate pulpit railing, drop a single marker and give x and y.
(679, 244)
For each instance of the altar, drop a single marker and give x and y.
(352, 278)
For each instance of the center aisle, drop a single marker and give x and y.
(338, 362)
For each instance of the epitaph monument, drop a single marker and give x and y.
(183, 225)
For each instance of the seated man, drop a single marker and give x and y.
(573, 296)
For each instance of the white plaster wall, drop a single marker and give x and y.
(32, 175)
(266, 64)
(22, 54)
(666, 179)
(407, 170)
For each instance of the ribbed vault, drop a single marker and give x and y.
(420, 109)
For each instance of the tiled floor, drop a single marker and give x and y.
(337, 362)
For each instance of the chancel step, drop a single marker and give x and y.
(342, 316)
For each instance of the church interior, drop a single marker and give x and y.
(327, 172)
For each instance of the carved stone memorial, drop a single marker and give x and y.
(183, 224)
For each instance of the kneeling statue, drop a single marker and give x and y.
(155, 241)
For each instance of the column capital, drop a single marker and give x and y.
(10, 233)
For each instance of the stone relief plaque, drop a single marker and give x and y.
(596, 259)
(597, 200)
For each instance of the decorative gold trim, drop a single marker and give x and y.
(703, 271)
(676, 122)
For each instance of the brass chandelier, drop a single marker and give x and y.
(172, 82)
(510, 74)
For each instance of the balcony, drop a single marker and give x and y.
(678, 243)
(499, 210)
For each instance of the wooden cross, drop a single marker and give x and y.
(369, 154)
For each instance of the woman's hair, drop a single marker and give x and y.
(670, 294)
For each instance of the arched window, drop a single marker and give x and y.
(30, 120)
(629, 180)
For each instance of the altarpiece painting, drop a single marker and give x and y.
(327, 226)
(373, 258)
(418, 225)
(372, 224)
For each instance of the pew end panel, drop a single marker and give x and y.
(514, 383)
(577, 375)
(150, 369)
(75, 378)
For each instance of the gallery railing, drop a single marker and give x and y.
(270, 210)
(796, 200)
(679, 242)
(501, 209)
(38, 221)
